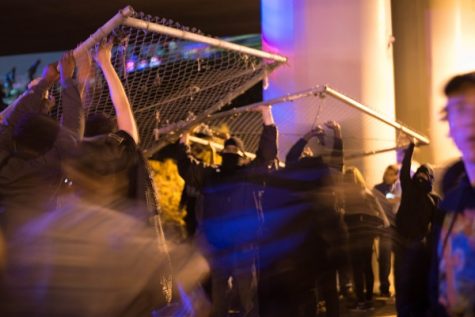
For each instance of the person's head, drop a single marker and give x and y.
(424, 177)
(97, 171)
(99, 123)
(460, 113)
(354, 176)
(232, 153)
(391, 174)
(34, 135)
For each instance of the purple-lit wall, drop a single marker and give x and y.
(346, 44)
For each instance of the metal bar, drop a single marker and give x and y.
(368, 153)
(103, 31)
(288, 98)
(189, 36)
(347, 100)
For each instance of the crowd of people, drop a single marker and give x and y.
(81, 232)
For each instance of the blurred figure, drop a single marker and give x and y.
(32, 69)
(454, 174)
(32, 146)
(301, 149)
(303, 236)
(82, 260)
(416, 214)
(388, 196)
(3, 105)
(109, 153)
(365, 219)
(10, 80)
(85, 258)
(301, 158)
(231, 213)
(453, 264)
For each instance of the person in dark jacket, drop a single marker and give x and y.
(303, 234)
(84, 258)
(453, 280)
(301, 150)
(231, 213)
(417, 211)
(32, 146)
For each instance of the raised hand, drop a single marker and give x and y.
(403, 139)
(335, 126)
(266, 112)
(50, 73)
(317, 131)
(103, 53)
(66, 66)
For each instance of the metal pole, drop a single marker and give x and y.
(215, 145)
(103, 31)
(368, 153)
(288, 98)
(365, 109)
(189, 36)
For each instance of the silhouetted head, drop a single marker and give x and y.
(232, 153)
(424, 177)
(99, 123)
(34, 135)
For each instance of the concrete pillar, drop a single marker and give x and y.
(434, 41)
(346, 44)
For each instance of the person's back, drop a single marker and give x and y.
(32, 146)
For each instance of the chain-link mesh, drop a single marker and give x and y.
(247, 126)
(362, 133)
(307, 112)
(168, 80)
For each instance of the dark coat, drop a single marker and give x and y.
(230, 202)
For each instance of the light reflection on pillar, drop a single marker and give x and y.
(345, 44)
(278, 36)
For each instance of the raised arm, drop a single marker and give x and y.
(337, 152)
(123, 110)
(296, 150)
(267, 151)
(73, 113)
(405, 173)
(33, 100)
(190, 169)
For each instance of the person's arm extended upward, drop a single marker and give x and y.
(125, 117)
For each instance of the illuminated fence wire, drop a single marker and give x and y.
(248, 124)
(169, 80)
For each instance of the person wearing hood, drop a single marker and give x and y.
(231, 213)
(416, 213)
